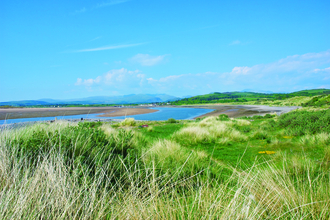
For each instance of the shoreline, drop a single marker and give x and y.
(232, 111)
(17, 113)
(235, 111)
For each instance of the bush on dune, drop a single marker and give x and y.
(223, 117)
(171, 120)
(305, 122)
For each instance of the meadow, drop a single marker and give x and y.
(260, 167)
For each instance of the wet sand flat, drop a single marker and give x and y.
(13, 113)
(235, 111)
(128, 111)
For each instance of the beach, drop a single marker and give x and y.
(235, 111)
(14, 113)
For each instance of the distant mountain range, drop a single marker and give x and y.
(126, 99)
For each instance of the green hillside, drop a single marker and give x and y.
(237, 97)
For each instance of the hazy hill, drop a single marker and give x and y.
(126, 99)
(257, 91)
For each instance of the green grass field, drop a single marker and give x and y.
(264, 167)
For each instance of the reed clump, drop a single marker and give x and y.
(211, 129)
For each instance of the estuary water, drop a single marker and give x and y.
(161, 114)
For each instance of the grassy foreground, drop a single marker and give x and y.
(216, 168)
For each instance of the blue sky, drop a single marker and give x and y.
(73, 49)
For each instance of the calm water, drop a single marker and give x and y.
(161, 114)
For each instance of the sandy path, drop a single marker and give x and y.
(12, 113)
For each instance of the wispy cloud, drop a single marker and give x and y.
(324, 71)
(82, 10)
(235, 42)
(101, 5)
(110, 3)
(238, 42)
(147, 60)
(106, 48)
(96, 38)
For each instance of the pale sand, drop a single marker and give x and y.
(128, 111)
(235, 111)
(12, 113)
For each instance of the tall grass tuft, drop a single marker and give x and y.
(128, 122)
(210, 129)
(193, 134)
(317, 139)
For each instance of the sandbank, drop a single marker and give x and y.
(13, 113)
(235, 111)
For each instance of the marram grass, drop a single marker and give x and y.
(138, 186)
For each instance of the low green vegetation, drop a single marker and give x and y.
(260, 167)
(304, 97)
(318, 101)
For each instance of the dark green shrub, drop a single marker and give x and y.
(171, 120)
(305, 122)
(269, 116)
(244, 117)
(257, 117)
(223, 117)
(245, 129)
(260, 135)
(318, 101)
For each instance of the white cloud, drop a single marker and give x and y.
(147, 60)
(297, 63)
(323, 70)
(241, 70)
(88, 82)
(117, 78)
(287, 74)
